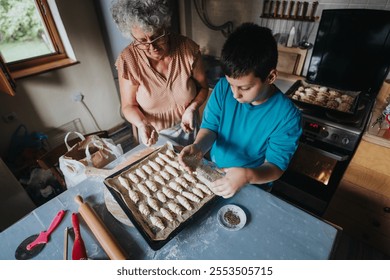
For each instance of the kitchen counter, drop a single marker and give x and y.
(275, 229)
(379, 133)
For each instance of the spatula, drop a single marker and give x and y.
(78, 251)
(43, 236)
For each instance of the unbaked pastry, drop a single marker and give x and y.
(204, 188)
(166, 214)
(175, 186)
(189, 178)
(157, 222)
(124, 182)
(183, 201)
(143, 190)
(172, 170)
(134, 178)
(175, 208)
(161, 196)
(151, 185)
(154, 165)
(168, 192)
(140, 173)
(190, 196)
(153, 203)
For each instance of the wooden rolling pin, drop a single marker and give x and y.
(102, 234)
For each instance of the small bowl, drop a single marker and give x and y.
(231, 217)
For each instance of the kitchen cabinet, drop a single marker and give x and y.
(361, 204)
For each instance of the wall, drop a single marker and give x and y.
(43, 102)
(238, 12)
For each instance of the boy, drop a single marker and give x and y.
(250, 126)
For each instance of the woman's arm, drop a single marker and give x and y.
(200, 77)
(132, 112)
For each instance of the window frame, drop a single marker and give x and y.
(40, 64)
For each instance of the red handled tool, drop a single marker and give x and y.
(34, 244)
(78, 251)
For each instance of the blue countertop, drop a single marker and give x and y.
(274, 230)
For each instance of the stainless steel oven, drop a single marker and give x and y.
(324, 152)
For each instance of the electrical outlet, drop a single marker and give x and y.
(77, 97)
(10, 117)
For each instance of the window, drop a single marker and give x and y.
(30, 42)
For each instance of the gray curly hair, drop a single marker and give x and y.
(149, 15)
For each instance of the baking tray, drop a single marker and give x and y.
(150, 233)
(300, 83)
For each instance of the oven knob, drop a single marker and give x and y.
(335, 137)
(345, 140)
(324, 133)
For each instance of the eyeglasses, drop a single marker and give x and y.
(159, 41)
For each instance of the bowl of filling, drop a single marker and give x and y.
(231, 217)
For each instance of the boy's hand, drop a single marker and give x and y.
(231, 183)
(190, 157)
(148, 134)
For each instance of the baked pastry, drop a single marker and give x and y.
(347, 98)
(332, 104)
(344, 107)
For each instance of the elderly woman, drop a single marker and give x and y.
(161, 74)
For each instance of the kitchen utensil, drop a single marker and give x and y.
(297, 9)
(270, 8)
(314, 6)
(78, 252)
(304, 43)
(66, 234)
(290, 9)
(276, 9)
(102, 234)
(305, 10)
(33, 245)
(284, 9)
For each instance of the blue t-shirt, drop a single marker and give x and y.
(249, 135)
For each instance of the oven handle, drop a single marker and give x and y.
(326, 153)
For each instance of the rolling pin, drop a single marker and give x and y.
(105, 238)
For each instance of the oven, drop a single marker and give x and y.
(348, 55)
(324, 152)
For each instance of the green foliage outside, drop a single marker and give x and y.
(19, 21)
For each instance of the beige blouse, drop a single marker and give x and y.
(162, 100)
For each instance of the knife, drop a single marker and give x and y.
(265, 11)
(313, 10)
(297, 9)
(284, 9)
(270, 8)
(304, 10)
(276, 9)
(290, 9)
(78, 251)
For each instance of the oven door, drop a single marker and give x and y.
(312, 177)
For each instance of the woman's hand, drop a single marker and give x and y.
(187, 120)
(148, 134)
(231, 183)
(190, 157)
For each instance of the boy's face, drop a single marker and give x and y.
(250, 89)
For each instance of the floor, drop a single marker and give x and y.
(350, 248)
